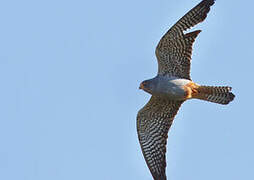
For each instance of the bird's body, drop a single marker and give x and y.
(179, 89)
(171, 87)
(168, 86)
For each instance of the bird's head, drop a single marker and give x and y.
(147, 86)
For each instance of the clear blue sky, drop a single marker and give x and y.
(69, 75)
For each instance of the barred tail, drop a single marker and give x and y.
(218, 94)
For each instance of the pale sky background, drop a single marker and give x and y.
(69, 75)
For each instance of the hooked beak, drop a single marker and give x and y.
(141, 86)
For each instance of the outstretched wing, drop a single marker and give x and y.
(175, 48)
(153, 123)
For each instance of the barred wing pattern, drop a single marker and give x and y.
(174, 50)
(153, 123)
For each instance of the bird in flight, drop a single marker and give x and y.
(171, 87)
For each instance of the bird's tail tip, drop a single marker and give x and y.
(216, 94)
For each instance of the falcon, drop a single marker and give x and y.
(171, 87)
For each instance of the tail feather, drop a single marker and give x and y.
(216, 94)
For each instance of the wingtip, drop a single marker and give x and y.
(209, 2)
(193, 33)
